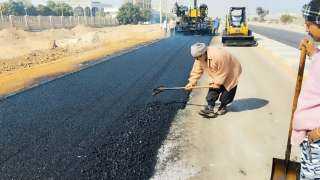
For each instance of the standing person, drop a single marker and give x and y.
(216, 24)
(224, 71)
(165, 26)
(172, 26)
(306, 122)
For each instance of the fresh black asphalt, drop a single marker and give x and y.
(286, 37)
(99, 123)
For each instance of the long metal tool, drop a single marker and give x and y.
(161, 89)
(286, 169)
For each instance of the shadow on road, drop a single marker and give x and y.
(237, 106)
(248, 104)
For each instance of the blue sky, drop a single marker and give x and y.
(219, 7)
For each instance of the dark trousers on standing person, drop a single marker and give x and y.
(225, 97)
(171, 31)
(215, 31)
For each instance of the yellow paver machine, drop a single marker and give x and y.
(193, 20)
(237, 32)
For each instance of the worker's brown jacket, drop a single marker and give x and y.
(222, 68)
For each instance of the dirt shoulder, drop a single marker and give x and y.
(28, 57)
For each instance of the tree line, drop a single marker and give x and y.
(23, 7)
(128, 13)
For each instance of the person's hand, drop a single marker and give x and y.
(214, 86)
(189, 87)
(309, 46)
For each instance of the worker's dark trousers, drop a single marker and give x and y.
(171, 31)
(215, 31)
(226, 97)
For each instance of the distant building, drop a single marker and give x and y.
(155, 16)
(87, 7)
(141, 3)
(113, 11)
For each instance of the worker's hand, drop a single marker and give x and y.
(214, 86)
(309, 46)
(189, 87)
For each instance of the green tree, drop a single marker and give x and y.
(16, 8)
(32, 11)
(4, 8)
(87, 11)
(64, 8)
(287, 18)
(262, 13)
(95, 11)
(79, 11)
(60, 9)
(51, 4)
(26, 3)
(129, 14)
(45, 10)
(145, 15)
(20, 7)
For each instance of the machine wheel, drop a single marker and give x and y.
(224, 33)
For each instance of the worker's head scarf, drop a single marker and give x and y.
(311, 12)
(198, 49)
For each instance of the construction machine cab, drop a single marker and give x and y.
(193, 19)
(237, 16)
(236, 30)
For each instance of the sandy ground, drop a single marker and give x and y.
(241, 144)
(26, 58)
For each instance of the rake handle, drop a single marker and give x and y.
(303, 54)
(178, 88)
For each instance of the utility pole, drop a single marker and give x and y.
(25, 10)
(61, 8)
(1, 9)
(1, 14)
(26, 17)
(160, 12)
(166, 1)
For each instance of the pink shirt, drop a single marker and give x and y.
(307, 115)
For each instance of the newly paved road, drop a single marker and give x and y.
(287, 37)
(100, 123)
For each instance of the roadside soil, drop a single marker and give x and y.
(27, 58)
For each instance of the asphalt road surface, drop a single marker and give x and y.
(287, 37)
(100, 123)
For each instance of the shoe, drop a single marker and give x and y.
(222, 111)
(208, 112)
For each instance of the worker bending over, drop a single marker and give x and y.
(224, 71)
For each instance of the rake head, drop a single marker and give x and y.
(157, 90)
